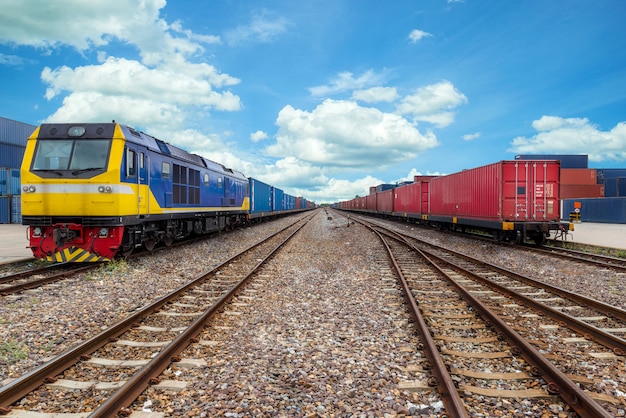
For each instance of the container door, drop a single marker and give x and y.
(530, 190)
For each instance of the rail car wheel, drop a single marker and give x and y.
(126, 251)
(149, 244)
(538, 238)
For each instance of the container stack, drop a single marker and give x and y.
(13, 136)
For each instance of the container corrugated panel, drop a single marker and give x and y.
(602, 210)
(279, 199)
(608, 173)
(573, 191)
(13, 132)
(260, 196)
(567, 160)
(615, 187)
(383, 187)
(16, 209)
(15, 187)
(11, 155)
(4, 182)
(578, 176)
(384, 201)
(5, 210)
(408, 198)
(502, 191)
(370, 202)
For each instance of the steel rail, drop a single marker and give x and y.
(557, 381)
(118, 403)
(28, 382)
(445, 386)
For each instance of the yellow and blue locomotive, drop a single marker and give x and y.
(94, 190)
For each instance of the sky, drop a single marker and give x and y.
(326, 98)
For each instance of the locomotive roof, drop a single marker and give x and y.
(106, 130)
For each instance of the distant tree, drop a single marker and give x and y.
(356, 196)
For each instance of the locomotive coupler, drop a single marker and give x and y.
(63, 233)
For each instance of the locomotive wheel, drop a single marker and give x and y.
(149, 244)
(168, 240)
(126, 252)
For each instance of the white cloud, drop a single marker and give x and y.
(167, 83)
(376, 94)
(573, 136)
(471, 137)
(264, 28)
(341, 134)
(346, 81)
(258, 136)
(417, 35)
(433, 103)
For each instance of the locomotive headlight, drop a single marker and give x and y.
(105, 189)
(37, 231)
(28, 189)
(101, 189)
(104, 232)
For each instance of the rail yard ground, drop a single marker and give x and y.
(323, 332)
(13, 239)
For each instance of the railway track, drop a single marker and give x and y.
(103, 375)
(30, 279)
(477, 312)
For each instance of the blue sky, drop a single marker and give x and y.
(326, 98)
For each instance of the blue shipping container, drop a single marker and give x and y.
(5, 210)
(567, 161)
(13, 132)
(609, 173)
(279, 199)
(16, 209)
(11, 155)
(260, 196)
(603, 210)
(10, 181)
(614, 187)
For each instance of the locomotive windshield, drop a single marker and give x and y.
(75, 155)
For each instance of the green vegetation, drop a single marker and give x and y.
(11, 351)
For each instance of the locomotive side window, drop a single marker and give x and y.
(131, 167)
(219, 182)
(141, 160)
(165, 170)
(206, 179)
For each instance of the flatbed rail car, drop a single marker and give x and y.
(514, 201)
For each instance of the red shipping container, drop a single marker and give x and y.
(372, 189)
(578, 176)
(502, 191)
(384, 202)
(370, 204)
(412, 198)
(575, 191)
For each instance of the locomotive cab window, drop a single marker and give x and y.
(82, 157)
(165, 170)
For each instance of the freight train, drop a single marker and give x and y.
(513, 201)
(93, 191)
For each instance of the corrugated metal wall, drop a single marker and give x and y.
(13, 136)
